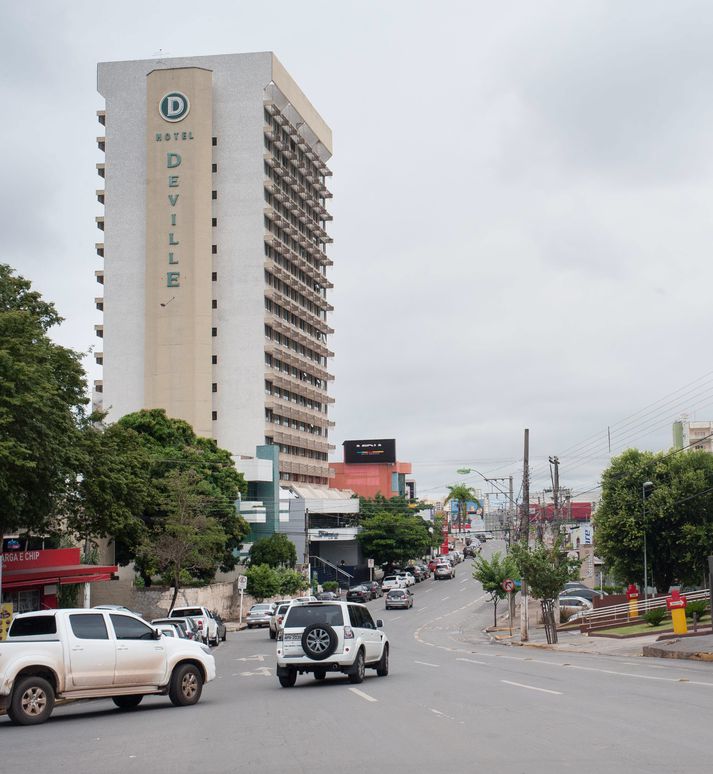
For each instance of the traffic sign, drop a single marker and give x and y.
(508, 585)
(242, 582)
(370, 564)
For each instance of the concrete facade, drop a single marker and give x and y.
(215, 307)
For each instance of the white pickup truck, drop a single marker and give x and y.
(61, 655)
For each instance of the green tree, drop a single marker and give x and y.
(170, 445)
(394, 538)
(369, 506)
(263, 581)
(187, 541)
(546, 569)
(491, 573)
(677, 523)
(42, 394)
(277, 551)
(462, 495)
(291, 582)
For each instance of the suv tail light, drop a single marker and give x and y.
(200, 624)
(348, 633)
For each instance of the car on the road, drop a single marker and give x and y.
(444, 571)
(64, 655)
(309, 598)
(578, 603)
(321, 637)
(276, 619)
(259, 615)
(416, 571)
(361, 593)
(407, 578)
(398, 598)
(425, 570)
(473, 549)
(207, 626)
(582, 591)
(190, 629)
(375, 588)
(222, 628)
(392, 582)
(329, 596)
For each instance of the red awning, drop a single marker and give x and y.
(40, 576)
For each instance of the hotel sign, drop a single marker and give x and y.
(179, 184)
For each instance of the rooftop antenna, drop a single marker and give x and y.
(159, 55)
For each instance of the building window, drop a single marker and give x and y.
(213, 331)
(214, 167)
(214, 415)
(214, 276)
(215, 304)
(214, 222)
(214, 359)
(214, 249)
(214, 194)
(215, 387)
(215, 141)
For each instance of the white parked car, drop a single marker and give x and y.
(407, 578)
(392, 582)
(575, 602)
(321, 637)
(90, 654)
(207, 625)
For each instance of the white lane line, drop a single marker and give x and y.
(444, 599)
(441, 714)
(425, 607)
(465, 580)
(640, 677)
(473, 661)
(396, 618)
(428, 591)
(362, 695)
(425, 663)
(532, 687)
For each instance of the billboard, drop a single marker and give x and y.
(370, 451)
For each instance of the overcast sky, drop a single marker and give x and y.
(523, 197)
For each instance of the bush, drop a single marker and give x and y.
(330, 586)
(655, 617)
(699, 608)
(291, 582)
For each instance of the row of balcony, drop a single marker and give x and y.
(312, 249)
(289, 464)
(299, 261)
(310, 208)
(299, 361)
(294, 134)
(317, 190)
(300, 386)
(295, 334)
(290, 437)
(286, 408)
(281, 298)
(280, 273)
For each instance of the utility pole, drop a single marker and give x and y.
(525, 535)
(306, 554)
(555, 464)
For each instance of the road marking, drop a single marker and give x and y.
(425, 663)
(260, 672)
(362, 695)
(250, 658)
(442, 714)
(472, 661)
(396, 618)
(444, 599)
(425, 607)
(465, 580)
(532, 687)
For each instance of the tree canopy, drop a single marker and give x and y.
(42, 395)
(276, 551)
(677, 520)
(491, 573)
(461, 494)
(391, 538)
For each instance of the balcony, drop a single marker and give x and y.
(99, 358)
(290, 437)
(301, 362)
(99, 220)
(101, 143)
(101, 170)
(99, 331)
(101, 117)
(100, 195)
(99, 274)
(286, 408)
(301, 387)
(99, 303)
(99, 247)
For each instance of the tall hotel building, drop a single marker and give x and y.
(214, 248)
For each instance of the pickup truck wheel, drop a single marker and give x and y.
(288, 680)
(32, 701)
(356, 676)
(382, 667)
(225, 635)
(186, 685)
(127, 702)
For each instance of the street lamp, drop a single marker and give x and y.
(646, 486)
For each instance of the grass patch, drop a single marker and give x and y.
(644, 628)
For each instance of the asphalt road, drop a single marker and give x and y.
(452, 703)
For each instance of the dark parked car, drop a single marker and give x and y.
(359, 594)
(416, 571)
(222, 630)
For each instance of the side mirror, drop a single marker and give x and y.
(157, 634)
(379, 623)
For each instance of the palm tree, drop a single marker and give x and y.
(462, 494)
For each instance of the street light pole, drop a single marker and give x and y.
(646, 485)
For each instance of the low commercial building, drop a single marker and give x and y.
(370, 468)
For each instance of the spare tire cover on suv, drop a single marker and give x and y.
(319, 641)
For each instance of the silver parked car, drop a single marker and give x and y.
(260, 615)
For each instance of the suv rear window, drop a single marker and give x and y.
(33, 626)
(304, 615)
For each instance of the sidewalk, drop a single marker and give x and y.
(698, 648)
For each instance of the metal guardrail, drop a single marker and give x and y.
(613, 612)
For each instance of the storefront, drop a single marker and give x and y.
(31, 579)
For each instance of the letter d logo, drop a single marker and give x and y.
(174, 106)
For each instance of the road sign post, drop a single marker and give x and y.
(242, 585)
(509, 587)
(370, 565)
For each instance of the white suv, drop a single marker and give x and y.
(321, 637)
(207, 625)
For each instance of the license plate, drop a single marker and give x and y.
(293, 637)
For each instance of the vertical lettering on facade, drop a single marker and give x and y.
(173, 278)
